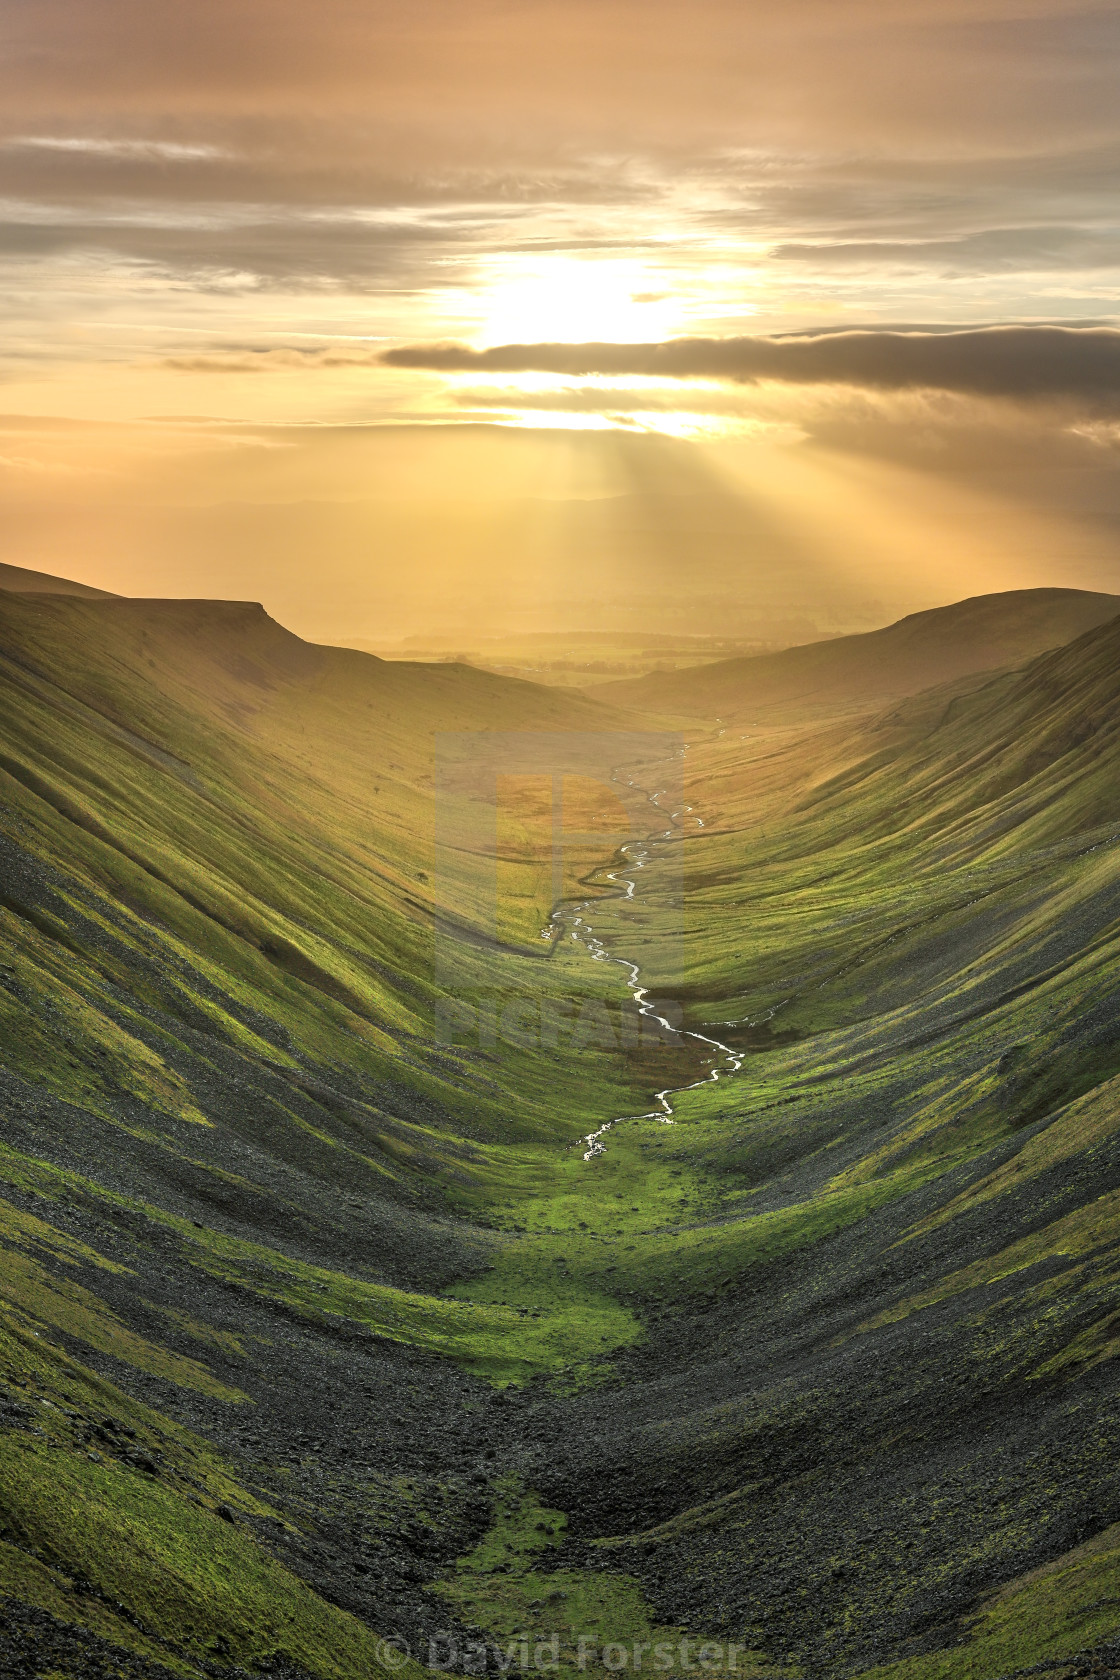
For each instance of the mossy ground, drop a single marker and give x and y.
(511, 1594)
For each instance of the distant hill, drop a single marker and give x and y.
(986, 633)
(22, 582)
(231, 660)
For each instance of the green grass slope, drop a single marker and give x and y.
(239, 1173)
(885, 1435)
(919, 652)
(315, 1332)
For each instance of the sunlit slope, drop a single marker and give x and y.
(949, 829)
(268, 802)
(236, 1167)
(984, 634)
(217, 943)
(892, 1281)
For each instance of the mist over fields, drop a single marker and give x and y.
(380, 534)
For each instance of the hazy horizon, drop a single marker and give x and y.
(523, 532)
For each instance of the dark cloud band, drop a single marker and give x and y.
(1016, 362)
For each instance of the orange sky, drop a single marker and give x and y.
(228, 214)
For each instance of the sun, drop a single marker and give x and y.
(573, 300)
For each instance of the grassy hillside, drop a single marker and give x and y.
(316, 1331)
(229, 1136)
(18, 580)
(919, 652)
(886, 1432)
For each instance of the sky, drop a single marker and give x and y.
(808, 309)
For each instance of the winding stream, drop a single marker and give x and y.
(572, 916)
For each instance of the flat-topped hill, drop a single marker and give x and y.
(23, 582)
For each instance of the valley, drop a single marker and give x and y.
(318, 1328)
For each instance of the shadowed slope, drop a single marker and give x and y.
(887, 1429)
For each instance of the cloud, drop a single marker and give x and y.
(825, 126)
(991, 251)
(607, 64)
(170, 151)
(270, 359)
(764, 167)
(231, 247)
(1013, 362)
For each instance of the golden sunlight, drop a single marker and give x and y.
(572, 300)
